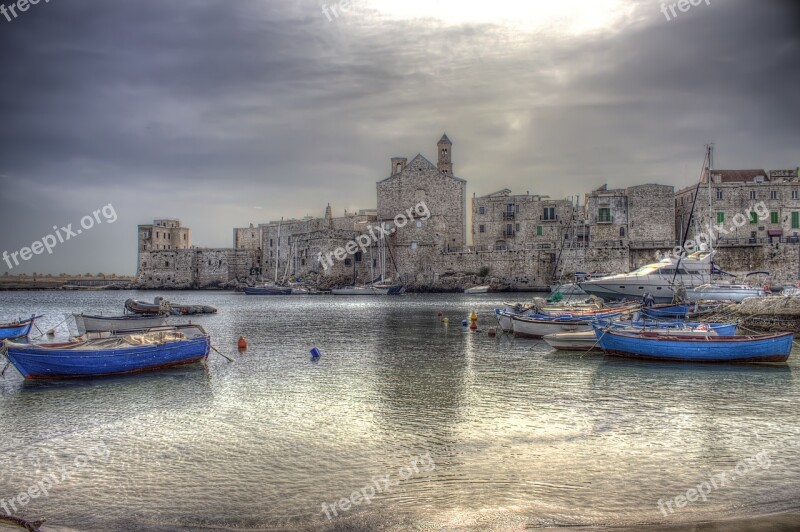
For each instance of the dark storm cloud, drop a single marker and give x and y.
(206, 109)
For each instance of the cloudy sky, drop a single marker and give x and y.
(227, 112)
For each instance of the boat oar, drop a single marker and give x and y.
(220, 354)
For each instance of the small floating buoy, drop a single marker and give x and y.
(242, 343)
(445, 320)
(315, 353)
(439, 313)
(491, 332)
(473, 316)
(464, 323)
(473, 325)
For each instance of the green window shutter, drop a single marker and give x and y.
(538, 230)
(753, 218)
(796, 220)
(720, 217)
(773, 217)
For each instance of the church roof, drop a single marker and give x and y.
(420, 163)
(445, 139)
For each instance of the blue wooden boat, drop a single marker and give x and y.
(666, 311)
(145, 350)
(655, 346)
(18, 329)
(267, 290)
(722, 329)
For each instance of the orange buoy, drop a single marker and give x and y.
(242, 343)
(473, 325)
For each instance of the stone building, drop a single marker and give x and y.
(420, 182)
(163, 234)
(729, 202)
(501, 220)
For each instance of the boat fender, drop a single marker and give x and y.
(242, 343)
(464, 323)
(491, 332)
(315, 353)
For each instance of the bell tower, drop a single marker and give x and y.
(445, 163)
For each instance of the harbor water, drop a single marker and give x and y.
(430, 425)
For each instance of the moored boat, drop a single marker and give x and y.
(87, 323)
(139, 351)
(661, 279)
(724, 292)
(688, 348)
(17, 329)
(141, 307)
(539, 325)
(477, 290)
(573, 341)
(267, 290)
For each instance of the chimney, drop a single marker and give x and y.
(398, 165)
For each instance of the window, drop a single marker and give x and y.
(719, 193)
(753, 218)
(358, 256)
(270, 242)
(752, 194)
(374, 263)
(794, 194)
(773, 217)
(414, 245)
(539, 231)
(549, 213)
(622, 232)
(481, 210)
(604, 215)
(773, 194)
(166, 264)
(481, 228)
(516, 227)
(720, 217)
(516, 209)
(796, 220)
(419, 224)
(347, 262)
(509, 229)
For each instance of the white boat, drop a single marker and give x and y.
(724, 292)
(790, 291)
(477, 290)
(377, 289)
(360, 291)
(505, 315)
(573, 341)
(660, 279)
(88, 323)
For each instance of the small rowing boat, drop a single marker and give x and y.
(137, 351)
(87, 323)
(692, 348)
(140, 307)
(17, 329)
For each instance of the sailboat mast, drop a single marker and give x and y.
(710, 155)
(278, 250)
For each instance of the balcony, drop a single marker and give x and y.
(508, 215)
(548, 218)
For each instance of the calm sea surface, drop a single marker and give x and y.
(473, 432)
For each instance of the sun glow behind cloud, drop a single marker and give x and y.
(572, 17)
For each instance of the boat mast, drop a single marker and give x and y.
(710, 155)
(278, 250)
(689, 221)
